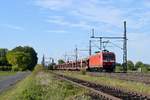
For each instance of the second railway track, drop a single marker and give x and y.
(105, 92)
(136, 77)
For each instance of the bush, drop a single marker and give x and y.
(38, 68)
(144, 69)
(139, 64)
(130, 65)
(50, 67)
(15, 68)
(33, 92)
(83, 71)
(5, 68)
(118, 69)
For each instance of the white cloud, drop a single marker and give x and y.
(87, 10)
(99, 14)
(54, 4)
(59, 20)
(101, 11)
(56, 31)
(14, 27)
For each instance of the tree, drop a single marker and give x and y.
(32, 52)
(118, 64)
(22, 58)
(147, 66)
(130, 65)
(60, 61)
(51, 66)
(19, 60)
(3, 60)
(139, 64)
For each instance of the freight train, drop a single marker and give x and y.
(102, 61)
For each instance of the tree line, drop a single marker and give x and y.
(18, 59)
(138, 66)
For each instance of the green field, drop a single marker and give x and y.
(42, 85)
(7, 73)
(125, 85)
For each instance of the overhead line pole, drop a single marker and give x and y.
(76, 55)
(125, 49)
(90, 47)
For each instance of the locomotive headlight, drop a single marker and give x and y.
(109, 61)
(112, 60)
(105, 61)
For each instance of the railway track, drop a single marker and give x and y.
(104, 92)
(137, 77)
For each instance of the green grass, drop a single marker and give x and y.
(7, 73)
(42, 85)
(125, 85)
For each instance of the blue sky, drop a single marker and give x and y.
(54, 27)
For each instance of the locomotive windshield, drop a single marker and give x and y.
(108, 56)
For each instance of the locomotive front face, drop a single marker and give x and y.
(109, 60)
(108, 57)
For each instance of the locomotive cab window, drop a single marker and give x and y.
(108, 56)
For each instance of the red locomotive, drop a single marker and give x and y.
(100, 61)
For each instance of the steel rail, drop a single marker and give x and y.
(100, 94)
(106, 91)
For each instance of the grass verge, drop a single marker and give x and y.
(124, 85)
(42, 85)
(7, 73)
